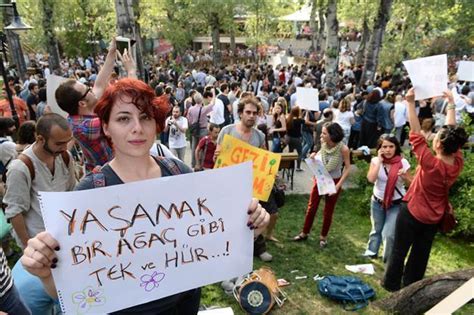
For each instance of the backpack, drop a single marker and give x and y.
(29, 164)
(98, 177)
(346, 289)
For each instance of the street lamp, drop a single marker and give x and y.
(15, 25)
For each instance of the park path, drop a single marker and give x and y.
(302, 181)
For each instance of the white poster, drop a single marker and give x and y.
(429, 75)
(307, 98)
(466, 71)
(53, 81)
(326, 184)
(129, 244)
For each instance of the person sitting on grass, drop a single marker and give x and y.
(427, 199)
(335, 157)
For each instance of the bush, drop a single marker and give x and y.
(362, 194)
(461, 197)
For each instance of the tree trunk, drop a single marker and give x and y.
(127, 26)
(313, 24)
(51, 42)
(216, 43)
(421, 296)
(14, 46)
(321, 42)
(363, 42)
(372, 56)
(332, 44)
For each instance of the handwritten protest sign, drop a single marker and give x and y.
(307, 98)
(429, 75)
(53, 82)
(265, 163)
(466, 71)
(326, 184)
(129, 244)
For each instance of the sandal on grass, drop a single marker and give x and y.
(323, 243)
(300, 237)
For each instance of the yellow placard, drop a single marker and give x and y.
(265, 163)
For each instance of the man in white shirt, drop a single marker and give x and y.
(217, 114)
(177, 125)
(400, 118)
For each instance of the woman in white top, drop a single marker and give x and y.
(388, 172)
(345, 118)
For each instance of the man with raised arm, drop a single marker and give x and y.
(79, 101)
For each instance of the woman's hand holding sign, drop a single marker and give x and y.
(258, 217)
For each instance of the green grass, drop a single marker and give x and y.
(346, 242)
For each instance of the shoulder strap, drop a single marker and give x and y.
(66, 157)
(98, 177)
(199, 116)
(159, 150)
(386, 173)
(29, 164)
(170, 165)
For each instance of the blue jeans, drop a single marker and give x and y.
(308, 143)
(31, 288)
(383, 228)
(276, 145)
(12, 303)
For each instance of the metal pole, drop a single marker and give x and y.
(7, 87)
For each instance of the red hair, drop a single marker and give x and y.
(142, 95)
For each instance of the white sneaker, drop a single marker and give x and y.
(266, 257)
(369, 253)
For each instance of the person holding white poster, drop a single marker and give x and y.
(426, 203)
(335, 156)
(130, 117)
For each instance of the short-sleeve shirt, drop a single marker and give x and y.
(381, 182)
(111, 179)
(257, 138)
(177, 139)
(87, 131)
(20, 106)
(427, 196)
(208, 147)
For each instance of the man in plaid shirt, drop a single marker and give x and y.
(79, 101)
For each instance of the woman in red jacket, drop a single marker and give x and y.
(427, 198)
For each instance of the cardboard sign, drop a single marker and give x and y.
(466, 71)
(307, 98)
(326, 184)
(130, 244)
(265, 163)
(428, 75)
(53, 83)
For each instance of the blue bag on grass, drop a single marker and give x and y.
(346, 289)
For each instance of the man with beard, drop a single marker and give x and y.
(248, 109)
(79, 100)
(45, 166)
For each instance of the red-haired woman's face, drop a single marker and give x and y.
(132, 132)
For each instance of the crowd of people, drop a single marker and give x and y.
(114, 121)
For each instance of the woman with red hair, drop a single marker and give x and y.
(130, 117)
